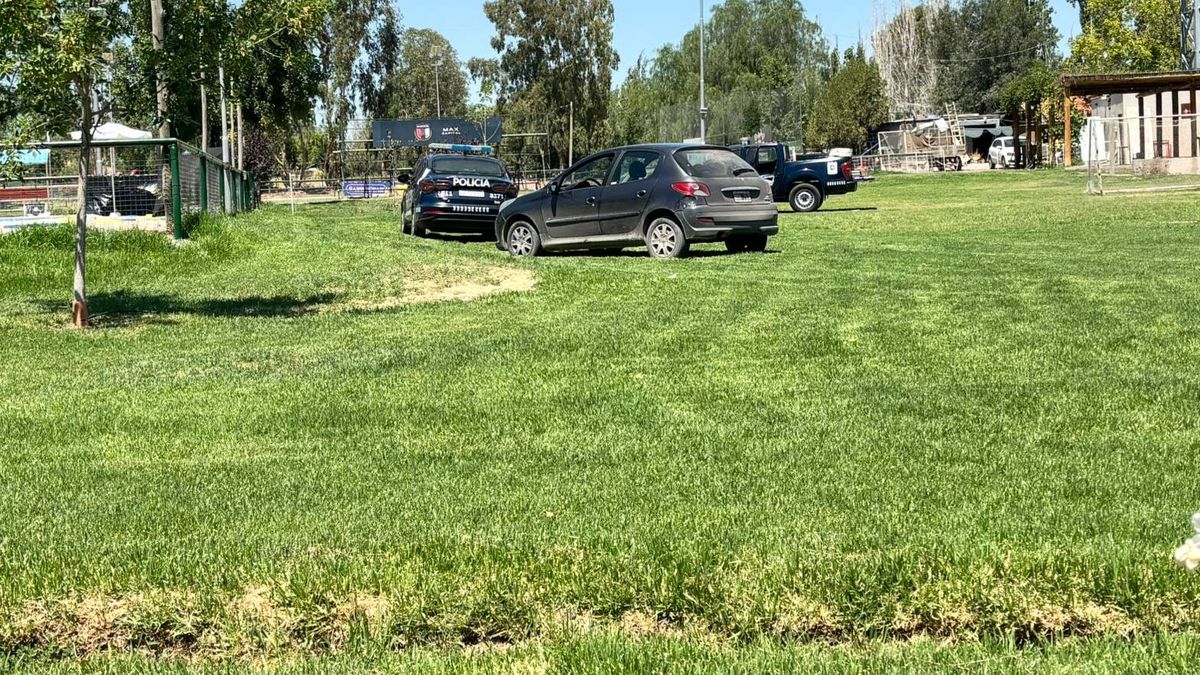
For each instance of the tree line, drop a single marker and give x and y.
(303, 70)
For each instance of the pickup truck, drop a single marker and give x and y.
(802, 181)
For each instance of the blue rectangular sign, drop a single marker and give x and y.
(365, 189)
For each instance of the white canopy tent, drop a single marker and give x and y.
(112, 131)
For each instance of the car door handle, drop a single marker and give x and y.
(591, 201)
(641, 193)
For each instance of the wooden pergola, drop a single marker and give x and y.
(1142, 84)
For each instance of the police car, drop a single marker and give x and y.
(450, 192)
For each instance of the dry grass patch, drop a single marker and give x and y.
(435, 286)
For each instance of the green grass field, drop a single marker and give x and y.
(948, 423)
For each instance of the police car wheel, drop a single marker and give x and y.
(417, 229)
(804, 198)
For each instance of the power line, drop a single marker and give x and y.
(993, 57)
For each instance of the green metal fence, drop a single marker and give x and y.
(163, 179)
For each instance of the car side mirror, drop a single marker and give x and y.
(404, 178)
(553, 188)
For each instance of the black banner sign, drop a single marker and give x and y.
(413, 133)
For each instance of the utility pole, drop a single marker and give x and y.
(156, 31)
(225, 141)
(203, 114)
(436, 53)
(437, 85)
(703, 106)
(571, 137)
(109, 57)
(1189, 34)
(203, 104)
(240, 137)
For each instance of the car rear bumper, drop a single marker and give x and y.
(703, 223)
(474, 218)
(840, 186)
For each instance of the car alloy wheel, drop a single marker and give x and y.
(665, 239)
(522, 240)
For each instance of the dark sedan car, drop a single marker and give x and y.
(455, 193)
(662, 196)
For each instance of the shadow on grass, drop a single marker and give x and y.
(124, 308)
(851, 208)
(461, 238)
(641, 253)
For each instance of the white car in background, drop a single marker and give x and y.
(1002, 153)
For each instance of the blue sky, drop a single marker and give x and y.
(644, 25)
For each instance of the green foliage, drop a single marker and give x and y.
(1127, 36)
(552, 53)
(979, 45)
(378, 82)
(344, 35)
(763, 65)
(268, 49)
(630, 112)
(195, 41)
(852, 103)
(1040, 89)
(47, 73)
(1039, 84)
(402, 81)
(272, 60)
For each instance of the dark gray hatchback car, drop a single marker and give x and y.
(662, 196)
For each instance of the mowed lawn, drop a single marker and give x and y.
(948, 421)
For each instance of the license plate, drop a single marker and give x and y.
(741, 199)
(476, 194)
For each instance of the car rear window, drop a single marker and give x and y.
(712, 163)
(469, 166)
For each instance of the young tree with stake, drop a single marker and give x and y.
(52, 56)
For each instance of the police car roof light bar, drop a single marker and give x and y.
(456, 147)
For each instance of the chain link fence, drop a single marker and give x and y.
(734, 117)
(152, 184)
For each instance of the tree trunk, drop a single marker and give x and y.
(1029, 152)
(160, 77)
(79, 303)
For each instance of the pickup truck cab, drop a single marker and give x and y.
(804, 182)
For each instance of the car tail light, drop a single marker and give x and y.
(691, 189)
(428, 186)
(847, 171)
